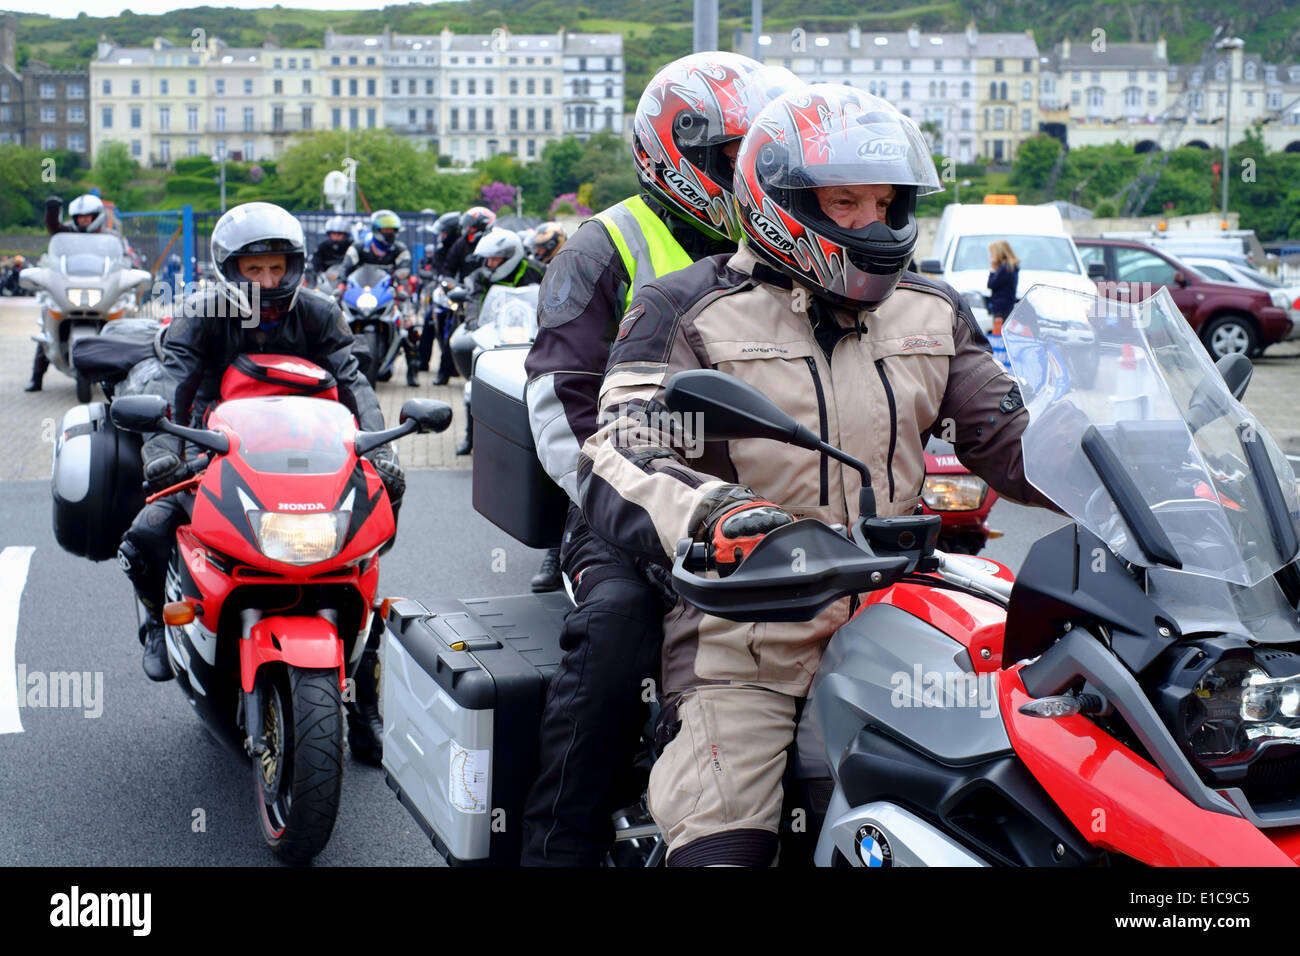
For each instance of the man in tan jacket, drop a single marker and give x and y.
(816, 310)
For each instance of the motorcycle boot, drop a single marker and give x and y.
(39, 366)
(153, 635)
(365, 726)
(547, 577)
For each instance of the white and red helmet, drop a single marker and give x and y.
(831, 135)
(690, 110)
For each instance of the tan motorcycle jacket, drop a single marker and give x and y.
(917, 364)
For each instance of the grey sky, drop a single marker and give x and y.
(111, 8)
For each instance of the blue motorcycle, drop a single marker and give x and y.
(371, 310)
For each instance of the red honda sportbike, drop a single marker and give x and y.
(1134, 695)
(272, 583)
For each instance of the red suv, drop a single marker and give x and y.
(1228, 318)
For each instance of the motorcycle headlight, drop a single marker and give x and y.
(1229, 704)
(367, 301)
(514, 334)
(953, 492)
(85, 298)
(299, 538)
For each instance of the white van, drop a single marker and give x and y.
(1037, 236)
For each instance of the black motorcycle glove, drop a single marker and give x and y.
(384, 458)
(167, 470)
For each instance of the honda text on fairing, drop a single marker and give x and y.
(83, 281)
(1146, 663)
(371, 310)
(272, 581)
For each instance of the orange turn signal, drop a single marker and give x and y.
(387, 605)
(177, 613)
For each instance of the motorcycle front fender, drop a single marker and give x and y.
(310, 642)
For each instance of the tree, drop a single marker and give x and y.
(1034, 161)
(20, 184)
(559, 157)
(113, 168)
(613, 187)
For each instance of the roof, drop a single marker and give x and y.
(1115, 56)
(875, 44)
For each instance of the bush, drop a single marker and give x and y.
(191, 186)
(194, 166)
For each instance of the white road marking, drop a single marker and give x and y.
(14, 563)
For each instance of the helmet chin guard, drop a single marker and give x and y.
(258, 229)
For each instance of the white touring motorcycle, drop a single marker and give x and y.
(82, 282)
(1147, 658)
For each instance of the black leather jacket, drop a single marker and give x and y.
(329, 253)
(206, 336)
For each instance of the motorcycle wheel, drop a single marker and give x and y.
(84, 388)
(372, 367)
(299, 778)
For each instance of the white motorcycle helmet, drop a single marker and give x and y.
(88, 205)
(503, 245)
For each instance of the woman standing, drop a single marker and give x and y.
(1003, 278)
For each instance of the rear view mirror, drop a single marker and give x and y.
(138, 413)
(1180, 279)
(1204, 406)
(1236, 370)
(1096, 270)
(729, 409)
(32, 278)
(458, 294)
(932, 266)
(429, 415)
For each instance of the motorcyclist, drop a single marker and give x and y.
(380, 246)
(476, 221)
(546, 240)
(10, 282)
(258, 252)
(502, 255)
(88, 215)
(815, 310)
(687, 126)
(334, 247)
(438, 325)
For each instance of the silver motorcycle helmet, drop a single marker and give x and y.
(88, 205)
(256, 229)
(336, 224)
(500, 244)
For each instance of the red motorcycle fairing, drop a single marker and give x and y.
(976, 624)
(300, 641)
(1120, 802)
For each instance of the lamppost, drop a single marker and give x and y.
(956, 190)
(1227, 44)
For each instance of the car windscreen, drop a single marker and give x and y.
(1045, 253)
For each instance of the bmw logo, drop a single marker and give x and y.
(873, 848)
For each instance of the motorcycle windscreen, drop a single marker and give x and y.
(290, 434)
(370, 277)
(86, 254)
(1134, 434)
(510, 314)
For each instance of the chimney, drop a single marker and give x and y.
(445, 37)
(388, 37)
(855, 37)
(1065, 49)
(103, 48)
(9, 41)
(972, 35)
(329, 38)
(1162, 52)
(914, 36)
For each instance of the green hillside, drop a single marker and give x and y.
(656, 31)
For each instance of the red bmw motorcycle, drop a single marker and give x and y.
(272, 582)
(1132, 696)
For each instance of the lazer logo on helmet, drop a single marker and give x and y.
(771, 232)
(299, 506)
(881, 149)
(685, 188)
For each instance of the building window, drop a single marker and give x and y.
(965, 119)
(488, 118)
(514, 146)
(77, 91)
(353, 115)
(530, 86)
(907, 65)
(191, 87)
(370, 87)
(48, 91)
(531, 118)
(192, 119)
(609, 117)
(248, 119)
(277, 119)
(965, 89)
(1026, 120)
(306, 117)
(1027, 90)
(135, 117)
(1274, 101)
(77, 142)
(336, 118)
(993, 91)
(410, 87)
(219, 118)
(248, 151)
(336, 87)
(395, 87)
(1151, 98)
(428, 87)
(514, 118)
(428, 118)
(532, 149)
(164, 118)
(471, 119)
(907, 89)
(1250, 98)
(137, 148)
(370, 117)
(999, 119)
(1151, 76)
(352, 86)
(455, 86)
(135, 87)
(1220, 99)
(997, 66)
(49, 114)
(943, 89)
(410, 117)
(76, 114)
(191, 147)
(248, 87)
(469, 87)
(1075, 98)
(106, 87)
(546, 118)
(277, 87)
(455, 119)
(49, 141)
